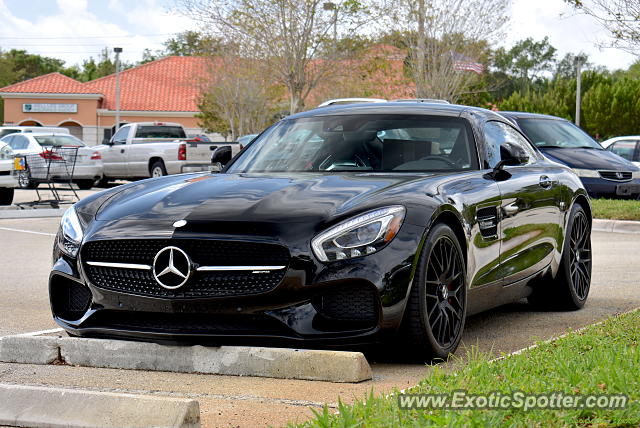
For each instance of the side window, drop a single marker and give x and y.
(120, 137)
(625, 149)
(498, 134)
(9, 140)
(20, 142)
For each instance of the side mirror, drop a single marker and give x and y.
(511, 154)
(221, 155)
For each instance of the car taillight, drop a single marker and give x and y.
(49, 155)
(96, 156)
(182, 152)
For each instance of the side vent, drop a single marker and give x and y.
(488, 222)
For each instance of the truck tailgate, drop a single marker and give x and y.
(201, 152)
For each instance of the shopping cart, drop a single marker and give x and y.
(54, 166)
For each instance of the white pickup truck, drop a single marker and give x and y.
(154, 149)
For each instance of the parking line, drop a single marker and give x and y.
(10, 229)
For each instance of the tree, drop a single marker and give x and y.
(620, 17)
(238, 99)
(526, 60)
(611, 108)
(192, 43)
(287, 37)
(445, 37)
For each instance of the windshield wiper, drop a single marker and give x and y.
(589, 147)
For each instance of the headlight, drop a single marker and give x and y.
(587, 173)
(359, 236)
(6, 153)
(635, 174)
(70, 233)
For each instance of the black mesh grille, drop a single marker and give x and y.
(202, 252)
(348, 303)
(187, 323)
(616, 175)
(69, 299)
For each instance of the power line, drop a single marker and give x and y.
(84, 37)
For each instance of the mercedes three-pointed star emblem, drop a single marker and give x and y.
(172, 268)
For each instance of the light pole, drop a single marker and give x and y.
(117, 51)
(579, 61)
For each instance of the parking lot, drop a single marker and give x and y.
(244, 401)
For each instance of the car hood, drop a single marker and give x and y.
(256, 198)
(588, 159)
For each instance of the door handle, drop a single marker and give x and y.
(545, 182)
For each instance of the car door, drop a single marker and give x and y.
(115, 156)
(530, 209)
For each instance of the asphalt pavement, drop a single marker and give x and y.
(246, 401)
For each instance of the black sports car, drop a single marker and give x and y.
(341, 225)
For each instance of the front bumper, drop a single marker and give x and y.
(599, 187)
(346, 302)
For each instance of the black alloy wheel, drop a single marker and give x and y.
(580, 255)
(436, 311)
(569, 288)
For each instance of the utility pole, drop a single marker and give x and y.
(117, 51)
(579, 61)
(421, 50)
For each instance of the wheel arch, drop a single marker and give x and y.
(153, 160)
(583, 201)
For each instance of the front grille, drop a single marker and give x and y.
(616, 175)
(201, 252)
(228, 324)
(348, 303)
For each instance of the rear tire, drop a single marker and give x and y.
(437, 307)
(6, 196)
(158, 169)
(85, 184)
(570, 287)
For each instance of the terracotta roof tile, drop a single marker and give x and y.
(168, 84)
(52, 83)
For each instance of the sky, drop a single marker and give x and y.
(73, 30)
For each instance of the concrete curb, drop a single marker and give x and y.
(284, 363)
(32, 213)
(618, 226)
(35, 406)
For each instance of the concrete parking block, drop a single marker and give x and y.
(29, 349)
(331, 366)
(619, 226)
(33, 406)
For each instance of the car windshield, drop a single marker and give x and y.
(59, 140)
(556, 133)
(381, 143)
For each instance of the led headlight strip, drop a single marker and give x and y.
(360, 235)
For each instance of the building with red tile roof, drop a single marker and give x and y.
(166, 90)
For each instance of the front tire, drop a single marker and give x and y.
(570, 287)
(437, 307)
(6, 196)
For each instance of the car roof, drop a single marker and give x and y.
(625, 137)
(438, 109)
(48, 134)
(526, 115)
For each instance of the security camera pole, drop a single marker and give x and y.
(117, 51)
(579, 61)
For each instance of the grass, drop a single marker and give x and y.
(602, 359)
(616, 209)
